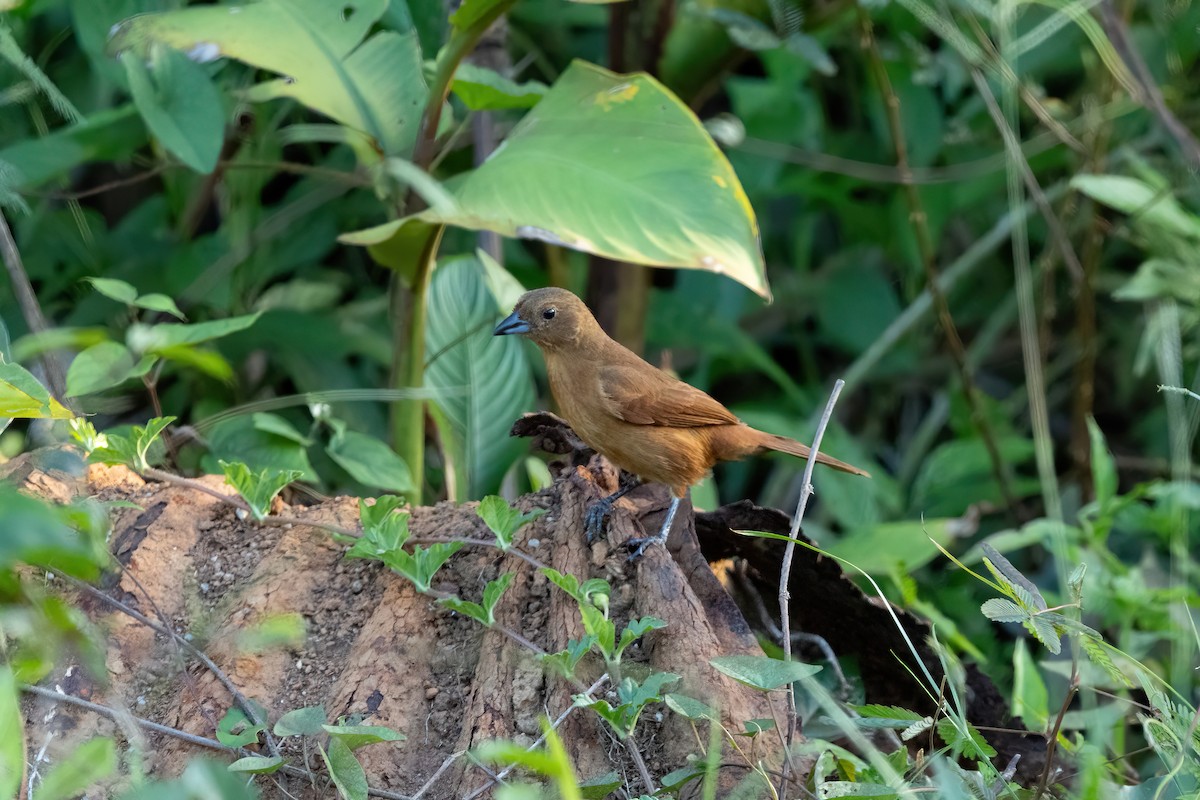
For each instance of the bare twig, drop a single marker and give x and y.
(1152, 97)
(1052, 740)
(191, 738)
(785, 571)
(162, 630)
(450, 759)
(31, 310)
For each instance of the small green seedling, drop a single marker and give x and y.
(484, 614)
(504, 520)
(258, 489)
(131, 451)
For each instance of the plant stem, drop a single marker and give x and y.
(408, 422)
(785, 571)
(928, 253)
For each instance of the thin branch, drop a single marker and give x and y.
(1152, 97)
(928, 254)
(785, 571)
(31, 310)
(239, 698)
(191, 738)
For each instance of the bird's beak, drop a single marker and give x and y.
(511, 324)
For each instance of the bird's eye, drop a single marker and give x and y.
(549, 313)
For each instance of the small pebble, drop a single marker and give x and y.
(356, 587)
(535, 543)
(204, 587)
(431, 692)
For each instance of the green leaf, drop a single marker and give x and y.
(466, 608)
(277, 630)
(633, 177)
(600, 786)
(370, 462)
(277, 425)
(114, 289)
(757, 726)
(1044, 631)
(152, 338)
(90, 762)
(236, 730)
(1154, 208)
(159, 302)
(831, 789)
(565, 661)
(12, 744)
(101, 366)
(307, 721)
(356, 736)
(105, 136)
(203, 779)
(763, 672)
(484, 381)
(240, 439)
(1030, 700)
(690, 707)
(904, 545)
(376, 86)
(180, 104)
(23, 396)
(347, 773)
(422, 564)
(492, 593)
(636, 629)
(504, 520)
(1104, 471)
(1000, 610)
(36, 533)
(972, 744)
(483, 89)
(601, 628)
(257, 765)
(258, 489)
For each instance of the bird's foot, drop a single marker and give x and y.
(597, 513)
(594, 518)
(637, 547)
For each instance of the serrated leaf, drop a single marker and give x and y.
(763, 672)
(1000, 610)
(638, 628)
(258, 489)
(972, 745)
(503, 520)
(1097, 653)
(466, 608)
(492, 593)
(1043, 630)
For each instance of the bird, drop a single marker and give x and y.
(639, 417)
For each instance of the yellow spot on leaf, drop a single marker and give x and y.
(717, 179)
(618, 94)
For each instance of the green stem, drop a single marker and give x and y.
(408, 422)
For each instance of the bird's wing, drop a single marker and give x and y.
(642, 396)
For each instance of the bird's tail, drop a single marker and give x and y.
(770, 441)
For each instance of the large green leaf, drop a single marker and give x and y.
(615, 165)
(105, 136)
(494, 371)
(36, 533)
(180, 105)
(1132, 196)
(12, 744)
(376, 86)
(22, 395)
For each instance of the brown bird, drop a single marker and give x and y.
(639, 417)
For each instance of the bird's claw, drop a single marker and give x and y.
(593, 520)
(637, 547)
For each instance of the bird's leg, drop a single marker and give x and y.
(638, 546)
(597, 513)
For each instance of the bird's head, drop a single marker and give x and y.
(551, 317)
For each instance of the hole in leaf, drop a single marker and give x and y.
(347, 12)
